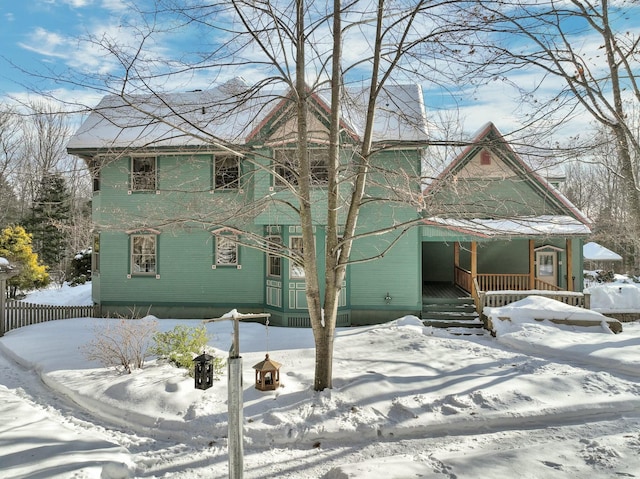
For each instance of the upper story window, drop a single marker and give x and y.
(226, 250)
(144, 254)
(287, 166)
(143, 173)
(95, 179)
(226, 172)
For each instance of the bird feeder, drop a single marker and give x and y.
(267, 374)
(203, 371)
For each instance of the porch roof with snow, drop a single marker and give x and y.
(478, 229)
(232, 114)
(595, 252)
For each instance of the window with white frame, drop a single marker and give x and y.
(287, 166)
(226, 250)
(274, 261)
(144, 254)
(143, 173)
(226, 172)
(296, 270)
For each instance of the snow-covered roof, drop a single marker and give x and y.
(230, 113)
(545, 225)
(594, 252)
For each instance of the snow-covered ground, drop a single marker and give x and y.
(537, 401)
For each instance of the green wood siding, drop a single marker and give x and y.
(185, 250)
(185, 273)
(493, 197)
(397, 273)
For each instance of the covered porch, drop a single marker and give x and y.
(481, 256)
(545, 269)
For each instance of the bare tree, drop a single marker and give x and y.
(296, 48)
(595, 185)
(33, 138)
(10, 128)
(585, 58)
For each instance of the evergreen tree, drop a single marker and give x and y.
(15, 245)
(8, 203)
(49, 220)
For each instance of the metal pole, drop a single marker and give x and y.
(236, 446)
(234, 396)
(3, 294)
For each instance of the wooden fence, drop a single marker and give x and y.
(18, 313)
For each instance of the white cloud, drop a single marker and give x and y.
(114, 5)
(45, 43)
(77, 3)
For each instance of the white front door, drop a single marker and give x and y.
(547, 267)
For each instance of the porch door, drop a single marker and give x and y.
(547, 266)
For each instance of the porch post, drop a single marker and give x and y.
(569, 251)
(456, 254)
(532, 265)
(474, 267)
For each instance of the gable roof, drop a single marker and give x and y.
(489, 138)
(231, 114)
(284, 112)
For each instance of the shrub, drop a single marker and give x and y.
(16, 246)
(181, 345)
(605, 276)
(80, 269)
(122, 343)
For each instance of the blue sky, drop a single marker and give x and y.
(42, 36)
(38, 35)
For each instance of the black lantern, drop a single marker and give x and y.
(203, 371)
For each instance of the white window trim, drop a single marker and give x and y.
(310, 151)
(132, 181)
(296, 272)
(233, 239)
(272, 239)
(236, 184)
(133, 272)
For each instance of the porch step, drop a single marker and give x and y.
(458, 315)
(467, 307)
(452, 323)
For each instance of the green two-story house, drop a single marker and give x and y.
(192, 198)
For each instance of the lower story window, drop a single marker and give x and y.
(296, 270)
(95, 257)
(144, 254)
(274, 261)
(226, 251)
